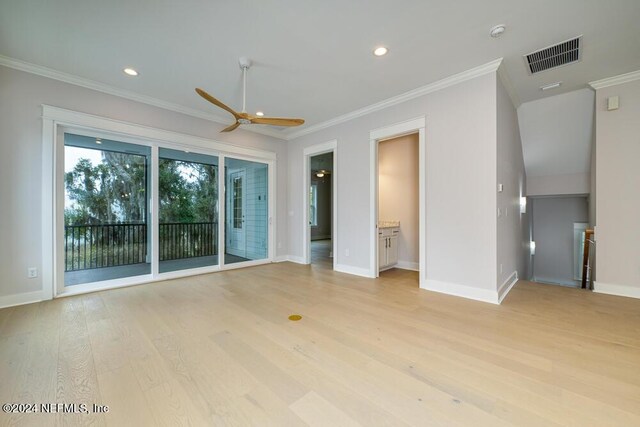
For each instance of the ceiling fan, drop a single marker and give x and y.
(243, 118)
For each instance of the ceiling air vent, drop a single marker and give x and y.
(554, 56)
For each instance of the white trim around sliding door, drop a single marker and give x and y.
(57, 120)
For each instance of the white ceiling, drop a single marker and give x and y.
(556, 134)
(312, 59)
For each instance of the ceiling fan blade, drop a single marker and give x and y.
(214, 101)
(276, 121)
(230, 128)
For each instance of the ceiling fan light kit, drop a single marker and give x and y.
(243, 118)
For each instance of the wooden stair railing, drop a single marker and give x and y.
(586, 268)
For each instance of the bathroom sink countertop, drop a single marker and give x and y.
(388, 224)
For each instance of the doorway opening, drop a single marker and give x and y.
(320, 209)
(398, 194)
(398, 200)
(558, 226)
(320, 204)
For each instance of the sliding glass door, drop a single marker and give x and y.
(138, 210)
(106, 210)
(188, 211)
(246, 210)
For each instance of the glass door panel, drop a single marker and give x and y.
(246, 211)
(188, 195)
(106, 210)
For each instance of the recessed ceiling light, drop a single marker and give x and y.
(130, 72)
(497, 31)
(259, 114)
(380, 51)
(551, 86)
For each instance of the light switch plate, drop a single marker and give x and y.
(613, 103)
(500, 187)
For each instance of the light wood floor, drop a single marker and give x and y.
(219, 350)
(321, 253)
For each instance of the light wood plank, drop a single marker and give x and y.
(127, 404)
(218, 349)
(318, 412)
(173, 407)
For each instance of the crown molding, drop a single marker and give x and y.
(132, 96)
(481, 70)
(615, 80)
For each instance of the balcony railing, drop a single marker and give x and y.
(188, 240)
(112, 245)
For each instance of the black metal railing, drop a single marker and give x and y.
(188, 240)
(112, 245)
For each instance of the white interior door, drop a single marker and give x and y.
(236, 205)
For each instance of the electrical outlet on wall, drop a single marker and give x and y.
(32, 272)
(346, 252)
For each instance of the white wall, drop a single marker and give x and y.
(593, 199)
(512, 226)
(592, 179)
(553, 219)
(460, 184)
(617, 187)
(555, 185)
(21, 96)
(556, 140)
(398, 193)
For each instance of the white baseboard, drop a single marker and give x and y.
(356, 271)
(504, 289)
(478, 294)
(557, 282)
(290, 258)
(619, 290)
(408, 265)
(20, 299)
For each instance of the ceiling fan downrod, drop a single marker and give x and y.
(245, 63)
